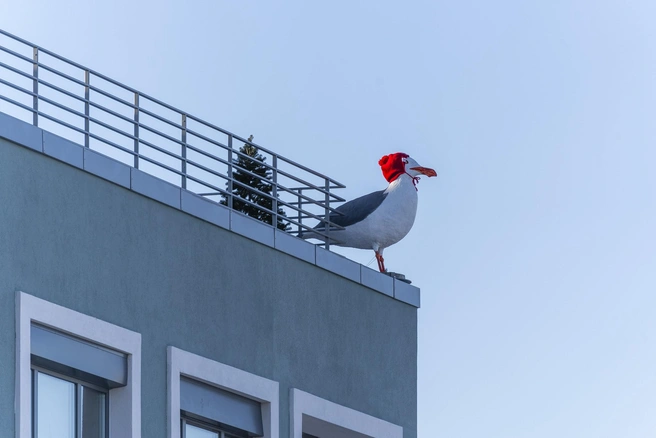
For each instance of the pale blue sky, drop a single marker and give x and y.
(535, 246)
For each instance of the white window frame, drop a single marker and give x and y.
(304, 403)
(124, 402)
(183, 363)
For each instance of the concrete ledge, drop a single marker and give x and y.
(338, 264)
(155, 188)
(376, 281)
(251, 228)
(21, 132)
(27, 135)
(406, 293)
(107, 168)
(63, 150)
(295, 247)
(205, 209)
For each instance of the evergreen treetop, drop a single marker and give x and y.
(250, 160)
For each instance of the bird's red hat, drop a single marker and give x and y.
(392, 165)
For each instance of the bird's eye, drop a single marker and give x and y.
(405, 161)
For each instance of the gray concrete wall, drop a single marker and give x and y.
(84, 243)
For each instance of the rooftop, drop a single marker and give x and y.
(85, 119)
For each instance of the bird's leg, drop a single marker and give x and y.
(381, 262)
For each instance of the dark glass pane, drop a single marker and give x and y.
(94, 420)
(55, 407)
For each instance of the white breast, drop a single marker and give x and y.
(389, 223)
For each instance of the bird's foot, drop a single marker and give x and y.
(398, 276)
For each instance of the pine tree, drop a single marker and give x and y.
(252, 161)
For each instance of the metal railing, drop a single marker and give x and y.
(100, 113)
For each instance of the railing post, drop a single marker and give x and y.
(86, 108)
(299, 218)
(274, 191)
(136, 130)
(35, 86)
(327, 211)
(184, 151)
(229, 197)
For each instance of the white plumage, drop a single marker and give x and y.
(380, 219)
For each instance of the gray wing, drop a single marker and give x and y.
(356, 210)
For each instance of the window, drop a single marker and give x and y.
(77, 376)
(314, 417)
(225, 409)
(67, 409)
(193, 428)
(71, 379)
(208, 399)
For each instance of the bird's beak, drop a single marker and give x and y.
(425, 170)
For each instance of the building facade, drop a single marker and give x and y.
(130, 307)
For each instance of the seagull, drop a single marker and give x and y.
(382, 218)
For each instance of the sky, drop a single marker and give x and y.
(534, 248)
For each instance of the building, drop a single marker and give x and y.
(131, 305)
